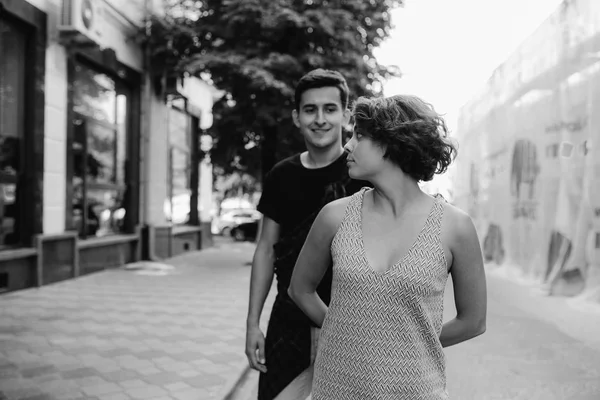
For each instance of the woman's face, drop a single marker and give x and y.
(365, 157)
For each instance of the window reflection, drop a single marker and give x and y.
(10, 151)
(94, 94)
(122, 105)
(99, 153)
(8, 214)
(13, 66)
(105, 210)
(177, 206)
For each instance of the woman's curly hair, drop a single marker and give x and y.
(413, 135)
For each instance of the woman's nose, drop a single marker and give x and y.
(349, 146)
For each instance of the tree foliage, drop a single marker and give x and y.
(256, 51)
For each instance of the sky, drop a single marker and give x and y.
(447, 49)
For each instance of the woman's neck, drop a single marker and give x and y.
(395, 194)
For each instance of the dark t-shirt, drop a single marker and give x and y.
(292, 193)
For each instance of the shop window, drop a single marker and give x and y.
(177, 205)
(100, 110)
(13, 67)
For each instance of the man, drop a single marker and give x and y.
(294, 191)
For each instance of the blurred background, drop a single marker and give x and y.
(134, 132)
(145, 127)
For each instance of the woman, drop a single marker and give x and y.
(392, 249)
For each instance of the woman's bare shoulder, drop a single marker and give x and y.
(456, 221)
(334, 212)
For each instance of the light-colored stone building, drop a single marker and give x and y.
(100, 164)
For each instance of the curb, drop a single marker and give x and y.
(231, 385)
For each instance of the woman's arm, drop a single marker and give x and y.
(313, 261)
(468, 278)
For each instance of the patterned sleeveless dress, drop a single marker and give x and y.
(380, 337)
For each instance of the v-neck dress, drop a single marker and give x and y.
(380, 337)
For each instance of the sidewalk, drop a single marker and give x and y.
(122, 334)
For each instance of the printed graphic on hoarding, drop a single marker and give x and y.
(524, 173)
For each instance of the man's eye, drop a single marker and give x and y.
(331, 110)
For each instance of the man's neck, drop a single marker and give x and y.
(319, 158)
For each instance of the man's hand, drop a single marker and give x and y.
(255, 348)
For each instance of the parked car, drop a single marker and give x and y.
(224, 224)
(245, 231)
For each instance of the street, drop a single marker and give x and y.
(179, 334)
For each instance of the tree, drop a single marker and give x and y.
(256, 51)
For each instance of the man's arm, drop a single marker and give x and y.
(260, 284)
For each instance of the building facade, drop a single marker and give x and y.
(99, 166)
(528, 169)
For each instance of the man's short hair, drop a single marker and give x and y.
(319, 78)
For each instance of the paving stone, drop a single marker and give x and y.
(162, 378)
(103, 388)
(107, 368)
(146, 392)
(89, 381)
(120, 375)
(190, 373)
(178, 386)
(150, 354)
(59, 387)
(115, 396)
(22, 393)
(175, 366)
(136, 364)
(191, 394)
(205, 380)
(38, 371)
(8, 371)
(80, 373)
(149, 371)
(42, 396)
(133, 383)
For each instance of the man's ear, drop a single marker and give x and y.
(295, 118)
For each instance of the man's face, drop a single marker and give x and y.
(320, 117)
